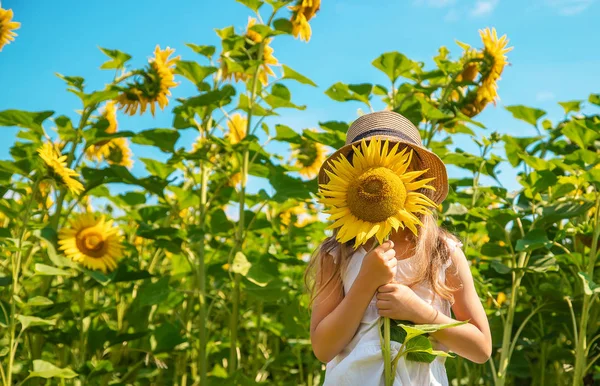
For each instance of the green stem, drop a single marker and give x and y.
(387, 352)
(581, 347)
(14, 288)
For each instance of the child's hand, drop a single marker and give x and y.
(379, 266)
(397, 301)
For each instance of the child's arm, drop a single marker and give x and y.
(472, 340)
(335, 317)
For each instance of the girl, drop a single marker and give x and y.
(406, 278)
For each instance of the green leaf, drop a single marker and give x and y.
(413, 330)
(193, 71)
(25, 119)
(98, 97)
(354, 92)
(430, 111)
(39, 301)
(207, 51)
(283, 25)
(579, 133)
(562, 210)
(157, 168)
(394, 65)
(154, 293)
(287, 134)
(288, 73)
(589, 287)
(533, 240)
(571, 106)
(46, 270)
(118, 59)
(164, 139)
(240, 264)
(252, 4)
(594, 99)
(5, 281)
(220, 97)
(166, 337)
(43, 369)
(28, 321)
(527, 114)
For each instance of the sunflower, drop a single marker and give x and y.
(120, 153)
(101, 150)
(302, 12)
(375, 193)
(6, 27)
(492, 65)
(92, 241)
(267, 61)
(237, 125)
(154, 87)
(58, 167)
(309, 156)
(303, 217)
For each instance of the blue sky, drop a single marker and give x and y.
(553, 59)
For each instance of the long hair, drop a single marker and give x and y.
(431, 253)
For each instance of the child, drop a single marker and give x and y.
(415, 278)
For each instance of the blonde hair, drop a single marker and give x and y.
(431, 254)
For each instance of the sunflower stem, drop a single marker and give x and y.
(387, 353)
(14, 288)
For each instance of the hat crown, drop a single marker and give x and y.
(383, 123)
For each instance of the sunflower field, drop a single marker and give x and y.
(162, 285)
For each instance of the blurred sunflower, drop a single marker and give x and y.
(120, 153)
(236, 179)
(490, 63)
(154, 87)
(237, 125)
(309, 156)
(58, 167)
(253, 38)
(494, 61)
(92, 242)
(302, 213)
(100, 150)
(375, 193)
(302, 12)
(7, 26)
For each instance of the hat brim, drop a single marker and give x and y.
(427, 159)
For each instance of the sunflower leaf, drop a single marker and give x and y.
(43, 369)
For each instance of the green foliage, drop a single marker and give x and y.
(210, 288)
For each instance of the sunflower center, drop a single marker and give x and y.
(91, 242)
(376, 195)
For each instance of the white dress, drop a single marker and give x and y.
(361, 362)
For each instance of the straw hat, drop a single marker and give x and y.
(396, 128)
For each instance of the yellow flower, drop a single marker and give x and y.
(237, 126)
(302, 12)
(267, 61)
(501, 298)
(303, 217)
(158, 79)
(57, 166)
(92, 242)
(375, 193)
(120, 153)
(6, 27)
(309, 156)
(493, 64)
(236, 179)
(101, 150)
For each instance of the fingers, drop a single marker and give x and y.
(386, 246)
(384, 304)
(390, 287)
(384, 296)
